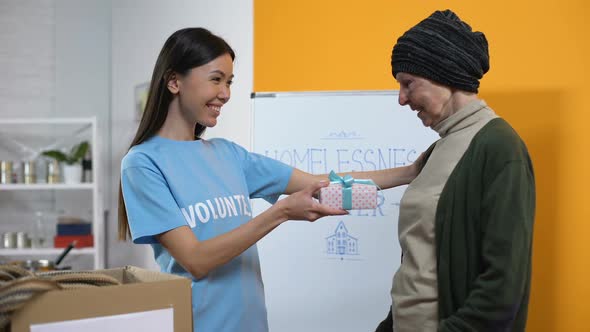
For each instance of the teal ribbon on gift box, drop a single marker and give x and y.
(347, 181)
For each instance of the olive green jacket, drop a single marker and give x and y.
(484, 232)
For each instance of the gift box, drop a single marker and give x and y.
(349, 193)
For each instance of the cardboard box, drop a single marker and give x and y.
(141, 291)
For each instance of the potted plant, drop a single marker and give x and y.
(72, 161)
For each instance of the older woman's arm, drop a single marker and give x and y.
(385, 179)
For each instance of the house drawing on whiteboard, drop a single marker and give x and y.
(342, 243)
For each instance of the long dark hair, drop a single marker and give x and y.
(183, 50)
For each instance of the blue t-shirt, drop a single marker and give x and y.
(205, 184)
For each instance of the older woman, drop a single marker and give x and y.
(466, 222)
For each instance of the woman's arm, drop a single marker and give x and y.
(200, 257)
(385, 179)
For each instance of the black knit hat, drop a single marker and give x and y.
(443, 49)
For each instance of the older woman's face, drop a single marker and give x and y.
(431, 100)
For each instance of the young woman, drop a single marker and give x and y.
(189, 197)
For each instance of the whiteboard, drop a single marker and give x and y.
(309, 285)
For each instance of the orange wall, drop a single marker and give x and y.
(538, 81)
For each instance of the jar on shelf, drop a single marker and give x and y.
(29, 172)
(17, 172)
(9, 240)
(23, 240)
(53, 171)
(41, 170)
(42, 231)
(5, 171)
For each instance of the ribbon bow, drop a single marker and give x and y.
(347, 181)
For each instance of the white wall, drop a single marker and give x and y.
(139, 29)
(82, 58)
(27, 58)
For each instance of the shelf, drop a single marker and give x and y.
(46, 186)
(23, 139)
(45, 251)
